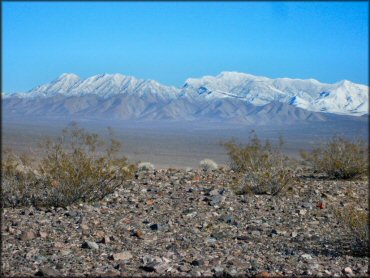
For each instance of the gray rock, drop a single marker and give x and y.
(90, 245)
(156, 264)
(122, 256)
(48, 272)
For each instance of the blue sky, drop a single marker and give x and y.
(170, 42)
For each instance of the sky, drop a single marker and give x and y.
(170, 42)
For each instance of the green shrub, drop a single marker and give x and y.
(339, 158)
(262, 166)
(78, 166)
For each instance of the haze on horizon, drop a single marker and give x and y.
(170, 42)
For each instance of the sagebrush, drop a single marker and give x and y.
(77, 166)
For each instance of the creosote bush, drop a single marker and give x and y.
(208, 165)
(357, 224)
(78, 166)
(18, 179)
(339, 158)
(262, 166)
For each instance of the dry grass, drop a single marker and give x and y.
(339, 158)
(72, 170)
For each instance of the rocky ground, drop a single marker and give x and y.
(189, 223)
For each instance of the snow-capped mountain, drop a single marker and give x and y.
(229, 95)
(103, 85)
(343, 97)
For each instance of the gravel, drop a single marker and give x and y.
(189, 223)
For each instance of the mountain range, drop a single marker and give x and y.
(227, 96)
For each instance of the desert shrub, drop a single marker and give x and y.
(262, 166)
(145, 166)
(208, 165)
(339, 158)
(357, 224)
(264, 181)
(18, 179)
(77, 166)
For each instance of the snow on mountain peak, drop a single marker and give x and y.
(68, 76)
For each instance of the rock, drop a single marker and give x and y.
(274, 232)
(105, 240)
(256, 233)
(58, 245)
(231, 273)
(110, 273)
(306, 256)
(241, 237)
(137, 233)
(150, 202)
(307, 205)
(218, 271)
(294, 234)
(213, 192)
(43, 234)
(90, 245)
(184, 268)
(71, 214)
(215, 200)
(48, 272)
(29, 235)
(229, 219)
(158, 227)
(85, 229)
(100, 234)
(347, 271)
(197, 263)
(263, 274)
(302, 212)
(156, 264)
(320, 205)
(122, 256)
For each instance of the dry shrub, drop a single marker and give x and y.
(357, 223)
(78, 166)
(339, 158)
(262, 166)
